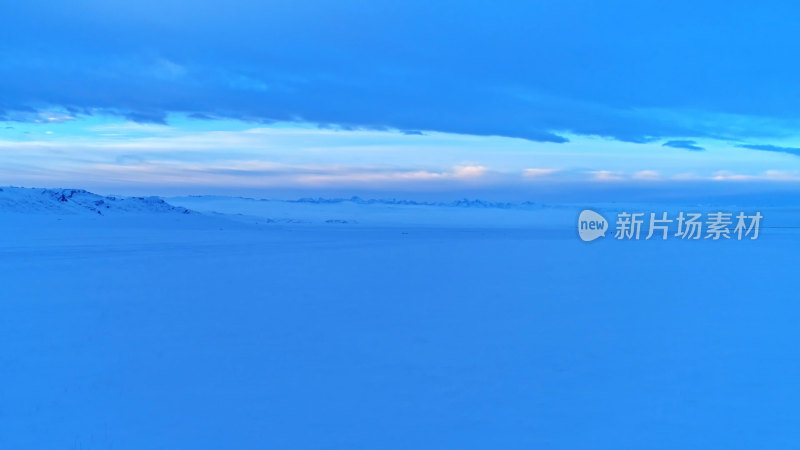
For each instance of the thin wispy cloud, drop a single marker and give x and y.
(538, 172)
(684, 144)
(769, 175)
(646, 175)
(772, 148)
(606, 175)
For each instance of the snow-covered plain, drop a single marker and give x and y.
(229, 323)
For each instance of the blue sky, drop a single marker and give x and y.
(320, 94)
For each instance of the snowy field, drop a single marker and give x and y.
(230, 323)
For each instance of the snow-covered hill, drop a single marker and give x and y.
(78, 201)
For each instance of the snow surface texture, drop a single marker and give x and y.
(383, 325)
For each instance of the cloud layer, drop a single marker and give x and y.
(631, 70)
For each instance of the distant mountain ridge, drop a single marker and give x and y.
(463, 203)
(79, 201)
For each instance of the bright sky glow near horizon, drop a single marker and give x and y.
(319, 95)
(106, 151)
